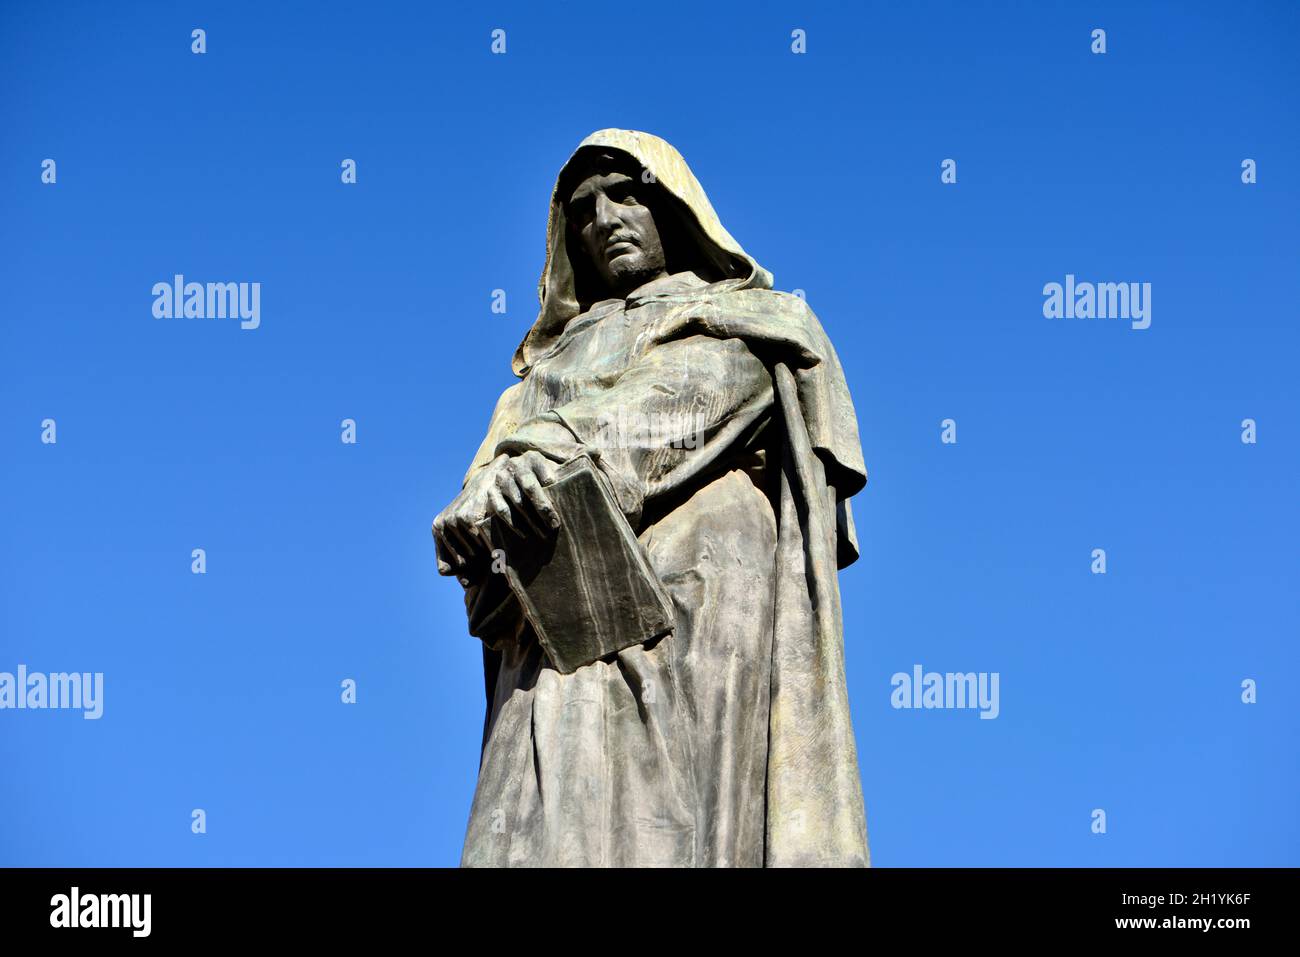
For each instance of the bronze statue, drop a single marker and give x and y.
(649, 538)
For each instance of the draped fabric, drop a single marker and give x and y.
(719, 412)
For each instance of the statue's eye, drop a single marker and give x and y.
(581, 210)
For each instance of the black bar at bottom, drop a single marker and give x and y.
(236, 905)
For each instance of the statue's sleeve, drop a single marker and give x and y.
(670, 418)
(505, 419)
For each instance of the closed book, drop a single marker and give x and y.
(588, 590)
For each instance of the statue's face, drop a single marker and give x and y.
(610, 214)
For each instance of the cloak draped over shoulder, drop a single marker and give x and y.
(728, 742)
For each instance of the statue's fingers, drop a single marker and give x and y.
(539, 500)
(526, 512)
(444, 567)
(540, 466)
(499, 509)
(448, 556)
(511, 483)
(448, 560)
(507, 483)
(465, 544)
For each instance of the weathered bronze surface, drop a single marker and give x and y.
(716, 411)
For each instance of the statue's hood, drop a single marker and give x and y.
(721, 258)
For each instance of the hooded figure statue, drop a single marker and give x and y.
(727, 742)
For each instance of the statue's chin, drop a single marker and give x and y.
(629, 271)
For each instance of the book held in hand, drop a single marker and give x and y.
(588, 590)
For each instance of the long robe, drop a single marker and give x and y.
(660, 755)
(727, 742)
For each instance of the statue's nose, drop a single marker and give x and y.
(606, 213)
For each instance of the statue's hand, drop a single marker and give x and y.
(509, 491)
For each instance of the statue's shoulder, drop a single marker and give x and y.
(771, 300)
(783, 308)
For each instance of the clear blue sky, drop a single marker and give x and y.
(1119, 692)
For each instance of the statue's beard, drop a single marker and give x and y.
(628, 272)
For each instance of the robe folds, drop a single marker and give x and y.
(727, 742)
